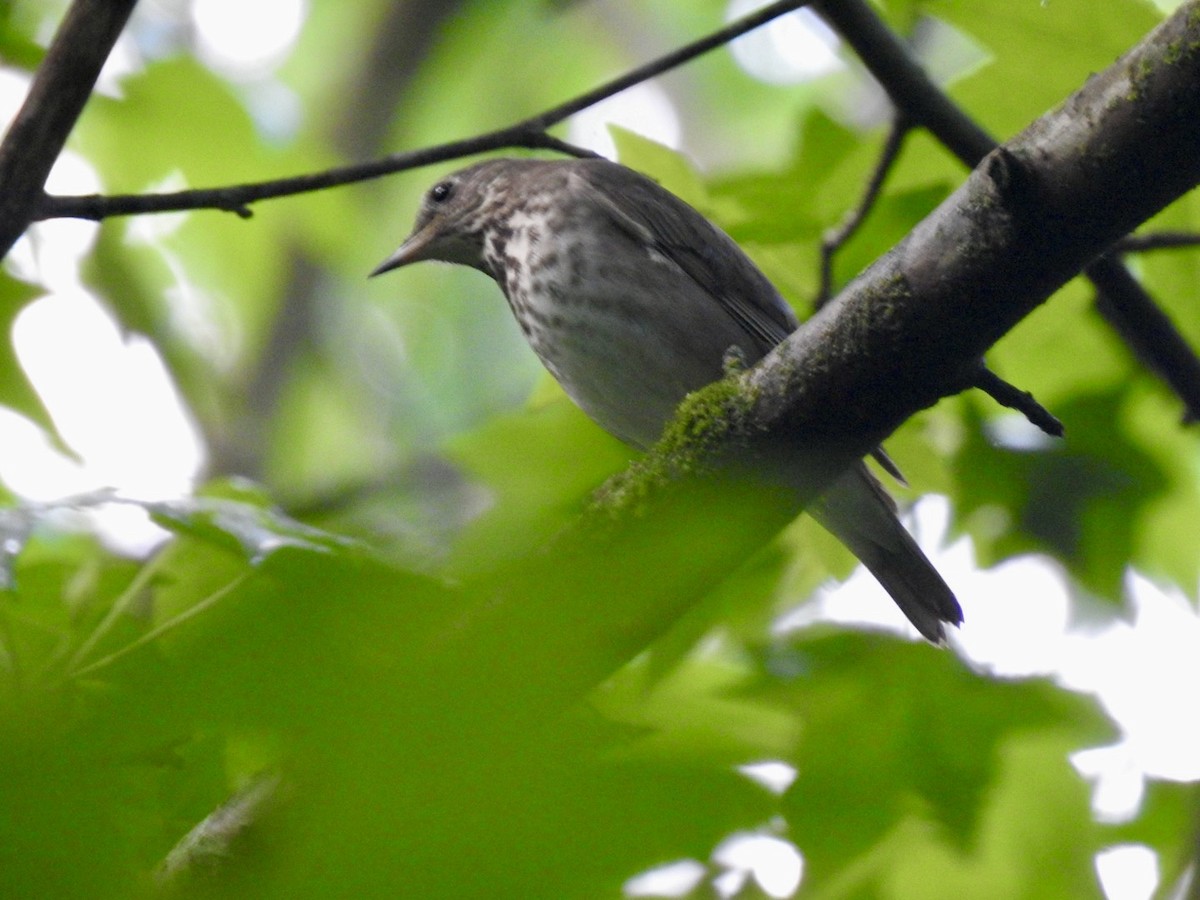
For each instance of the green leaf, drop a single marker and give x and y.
(668, 167)
(539, 469)
(255, 530)
(1041, 52)
(1092, 501)
(16, 391)
(1164, 821)
(894, 731)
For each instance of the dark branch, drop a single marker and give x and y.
(835, 238)
(528, 134)
(1014, 398)
(236, 198)
(1149, 333)
(1156, 240)
(61, 87)
(908, 86)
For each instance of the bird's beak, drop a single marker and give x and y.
(411, 251)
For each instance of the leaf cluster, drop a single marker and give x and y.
(318, 687)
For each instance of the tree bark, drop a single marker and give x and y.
(63, 83)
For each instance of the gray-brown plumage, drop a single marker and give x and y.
(632, 300)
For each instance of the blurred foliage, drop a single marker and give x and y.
(293, 696)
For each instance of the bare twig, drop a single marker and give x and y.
(1156, 240)
(237, 198)
(61, 87)
(665, 63)
(529, 134)
(1014, 398)
(835, 238)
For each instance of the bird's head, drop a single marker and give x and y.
(454, 214)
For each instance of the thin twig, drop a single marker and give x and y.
(529, 134)
(1156, 240)
(237, 198)
(665, 63)
(835, 238)
(1014, 398)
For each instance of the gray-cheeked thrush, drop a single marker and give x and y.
(632, 299)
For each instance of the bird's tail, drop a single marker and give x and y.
(859, 513)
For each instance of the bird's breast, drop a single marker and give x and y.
(624, 331)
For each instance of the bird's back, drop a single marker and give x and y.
(631, 298)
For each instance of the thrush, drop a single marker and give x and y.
(633, 299)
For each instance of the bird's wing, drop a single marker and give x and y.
(666, 225)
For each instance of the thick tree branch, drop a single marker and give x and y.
(1164, 350)
(61, 87)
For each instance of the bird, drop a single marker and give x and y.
(633, 299)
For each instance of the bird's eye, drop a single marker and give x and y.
(441, 192)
